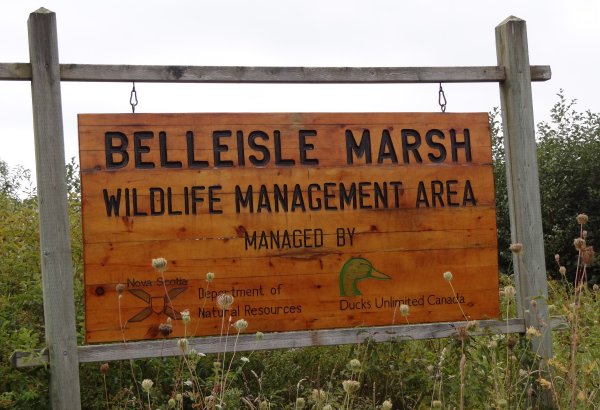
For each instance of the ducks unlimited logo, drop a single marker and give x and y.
(354, 271)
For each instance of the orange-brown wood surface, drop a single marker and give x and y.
(304, 231)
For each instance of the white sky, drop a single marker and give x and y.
(562, 34)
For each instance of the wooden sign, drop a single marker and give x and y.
(310, 221)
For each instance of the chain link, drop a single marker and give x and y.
(442, 99)
(133, 100)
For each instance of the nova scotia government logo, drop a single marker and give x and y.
(156, 304)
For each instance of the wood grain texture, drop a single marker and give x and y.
(55, 243)
(15, 72)
(282, 340)
(414, 214)
(522, 178)
(229, 74)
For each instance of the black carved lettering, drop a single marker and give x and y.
(304, 146)
(359, 149)
(139, 149)
(441, 156)
(266, 155)
(110, 149)
(164, 160)
(408, 147)
(218, 148)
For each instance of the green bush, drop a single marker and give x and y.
(568, 153)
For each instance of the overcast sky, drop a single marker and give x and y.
(562, 34)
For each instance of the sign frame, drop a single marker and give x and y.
(513, 73)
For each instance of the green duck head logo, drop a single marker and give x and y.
(355, 270)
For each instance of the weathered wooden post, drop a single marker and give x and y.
(523, 180)
(55, 241)
(523, 185)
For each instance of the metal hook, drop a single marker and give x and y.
(133, 100)
(442, 99)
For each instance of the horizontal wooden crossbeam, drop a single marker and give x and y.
(282, 340)
(306, 75)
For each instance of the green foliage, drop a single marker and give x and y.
(21, 302)
(21, 307)
(502, 215)
(568, 153)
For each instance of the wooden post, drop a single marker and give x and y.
(523, 180)
(55, 241)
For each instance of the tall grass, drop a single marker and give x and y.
(487, 371)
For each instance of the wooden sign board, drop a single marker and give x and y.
(310, 221)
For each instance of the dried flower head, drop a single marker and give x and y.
(581, 219)
(579, 244)
(587, 255)
(264, 405)
(354, 365)
(584, 234)
(436, 404)
(318, 395)
(165, 329)
(532, 333)
(259, 335)
(544, 384)
(501, 403)
(171, 403)
(185, 316)
(350, 386)
(104, 368)
(179, 397)
(510, 291)
(224, 301)
(516, 248)
(210, 276)
(159, 264)
(183, 344)
(557, 257)
(240, 325)
(120, 288)
(327, 407)
(386, 405)
(244, 359)
(562, 270)
(147, 385)
(404, 310)
(511, 342)
(447, 276)
(300, 403)
(595, 288)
